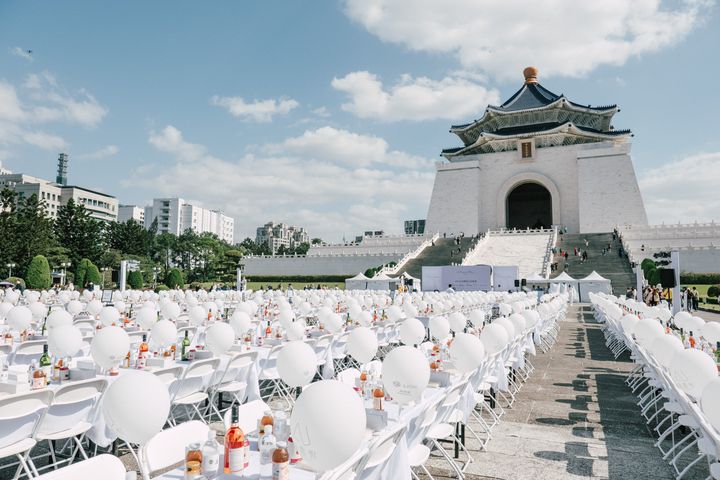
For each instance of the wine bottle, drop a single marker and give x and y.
(234, 446)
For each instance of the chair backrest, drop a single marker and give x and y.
(196, 378)
(384, 446)
(136, 337)
(6, 349)
(350, 469)
(107, 467)
(85, 325)
(237, 368)
(28, 351)
(348, 376)
(271, 360)
(248, 415)
(167, 448)
(20, 415)
(169, 375)
(72, 404)
(421, 424)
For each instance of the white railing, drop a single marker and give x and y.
(409, 256)
(547, 260)
(527, 231)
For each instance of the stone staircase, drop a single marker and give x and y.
(611, 266)
(444, 252)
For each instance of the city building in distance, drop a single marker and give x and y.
(277, 234)
(175, 215)
(101, 206)
(415, 227)
(131, 212)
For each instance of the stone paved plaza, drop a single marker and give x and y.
(574, 418)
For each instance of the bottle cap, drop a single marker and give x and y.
(268, 429)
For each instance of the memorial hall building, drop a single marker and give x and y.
(535, 161)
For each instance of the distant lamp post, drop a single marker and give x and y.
(10, 266)
(64, 266)
(239, 276)
(105, 270)
(156, 271)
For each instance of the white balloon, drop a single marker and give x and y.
(628, 323)
(505, 309)
(681, 318)
(507, 325)
(136, 406)
(647, 330)
(532, 317)
(296, 331)
(94, 306)
(171, 311)
(458, 322)
(5, 307)
(120, 305)
(692, 370)
(19, 318)
(285, 317)
(146, 317)
(710, 402)
(56, 319)
(240, 323)
(467, 352)
(38, 310)
(197, 315)
(439, 327)
(109, 315)
(362, 344)
(694, 325)
(74, 307)
(494, 338)
(410, 310)
(477, 318)
(219, 337)
(405, 374)
(711, 332)
(65, 340)
(164, 333)
(327, 424)
(664, 348)
(412, 331)
(518, 322)
(296, 363)
(333, 323)
(109, 346)
(394, 313)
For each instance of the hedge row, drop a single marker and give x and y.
(298, 278)
(687, 278)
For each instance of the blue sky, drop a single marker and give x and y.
(331, 114)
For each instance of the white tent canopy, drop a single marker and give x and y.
(593, 283)
(358, 282)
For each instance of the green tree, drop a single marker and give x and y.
(316, 241)
(175, 279)
(81, 272)
(93, 275)
(34, 234)
(128, 237)
(79, 233)
(38, 273)
(302, 249)
(57, 255)
(135, 280)
(8, 226)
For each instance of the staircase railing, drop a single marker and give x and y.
(409, 256)
(547, 259)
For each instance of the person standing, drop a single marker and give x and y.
(695, 298)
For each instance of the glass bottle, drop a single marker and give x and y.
(266, 420)
(378, 396)
(39, 380)
(280, 463)
(193, 461)
(46, 363)
(234, 446)
(210, 456)
(267, 446)
(691, 340)
(184, 346)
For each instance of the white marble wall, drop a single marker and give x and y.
(593, 188)
(318, 265)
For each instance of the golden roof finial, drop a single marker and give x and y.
(530, 74)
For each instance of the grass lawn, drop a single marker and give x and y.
(296, 285)
(702, 289)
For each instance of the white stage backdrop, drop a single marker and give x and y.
(462, 278)
(504, 277)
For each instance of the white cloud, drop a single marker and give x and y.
(105, 152)
(321, 112)
(22, 53)
(316, 180)
(560, 37)
(261, 111)
(43, 101)
(684, 190)
(411, 98)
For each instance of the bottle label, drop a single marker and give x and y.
(281, 471)
(38, 382)
(210, 464)
(246, 453)
(236, 460)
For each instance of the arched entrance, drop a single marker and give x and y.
(529, 205)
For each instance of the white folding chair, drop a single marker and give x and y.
(20, 416)
(191, 389)
(107, 467)
(350, 469)
(231, 381)
(167, 447)
(28, 351)
(381, 450)
(348, 376)
(70, 417)
(249, 414)
(169, 376)
(86, 326)
(270, 378)
(322, 348)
